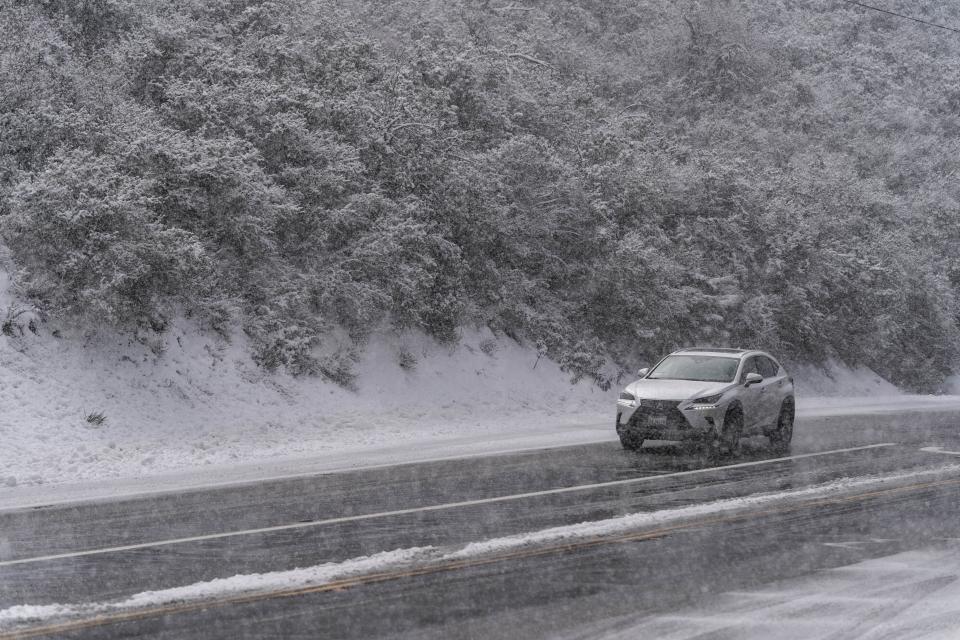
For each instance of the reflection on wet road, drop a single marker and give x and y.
(97, 552)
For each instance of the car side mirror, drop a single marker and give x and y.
(642, 372)
(753, 378)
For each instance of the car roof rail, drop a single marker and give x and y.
(714, 349)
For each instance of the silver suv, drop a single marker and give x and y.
(715, 395)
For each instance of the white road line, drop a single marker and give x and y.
(173, 487)
(437, 507)
(858, 545)
(940, 450)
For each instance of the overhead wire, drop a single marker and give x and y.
(901, 15)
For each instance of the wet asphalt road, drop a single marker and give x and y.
(549, 595)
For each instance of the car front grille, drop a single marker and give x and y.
(659, 415)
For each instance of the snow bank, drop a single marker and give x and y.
(913, 594)
(203, 402)
(835, 379)
(219, 588)
(197, 402)
(952, 385)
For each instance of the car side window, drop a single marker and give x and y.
(768, 368)
(750, 366)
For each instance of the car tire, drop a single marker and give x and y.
(781, 436)
(629, 441)
(727, 442)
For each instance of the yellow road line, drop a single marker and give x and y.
(447, 566)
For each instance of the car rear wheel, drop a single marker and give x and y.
(781, 436)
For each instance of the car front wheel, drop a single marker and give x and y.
(727, 442)
(630, 441)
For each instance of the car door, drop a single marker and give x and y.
(751, 397)
(771, 395)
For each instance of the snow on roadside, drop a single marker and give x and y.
(198, 402)
(837, 380)
(203, 402)
(317, 575)
(218, 588)
(913, 594)
(634, 521)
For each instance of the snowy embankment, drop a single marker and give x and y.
(914, 594)
(197, 403)
(343, 574)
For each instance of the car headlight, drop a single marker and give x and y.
(707, 402)
(627, 399)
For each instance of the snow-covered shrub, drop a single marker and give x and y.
(285, 328)
(603, 180)
(406, 360)
(489, 347)
(87, 242)
(17, 318)
(338, 367)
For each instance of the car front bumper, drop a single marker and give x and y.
(669, 420)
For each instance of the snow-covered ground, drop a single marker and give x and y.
(915, 595)
(204, 403)
(196, 403)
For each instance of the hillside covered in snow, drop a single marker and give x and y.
(597, 182)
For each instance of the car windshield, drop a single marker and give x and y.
(706, 368)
